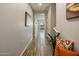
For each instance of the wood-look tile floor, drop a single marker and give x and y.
(39, 47)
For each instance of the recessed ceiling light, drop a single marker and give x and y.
(40, 4)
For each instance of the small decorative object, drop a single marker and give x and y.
(72, 10)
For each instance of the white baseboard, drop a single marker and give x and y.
(25, 47)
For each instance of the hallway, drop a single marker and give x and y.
(43, 47)
(40, 40)
(40, 33)
(40, 46)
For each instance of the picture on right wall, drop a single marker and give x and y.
(72, 10)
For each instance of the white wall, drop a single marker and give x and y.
(51, 19)
(14, 36)
(69, 29)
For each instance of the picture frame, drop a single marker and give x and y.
(25, 19)
(28, 20)
(72, 10)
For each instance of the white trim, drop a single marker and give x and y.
(25, 47)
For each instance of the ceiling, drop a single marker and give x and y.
(39, 8)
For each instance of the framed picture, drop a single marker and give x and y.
(72, 10)
(28, 20)
(25, 19)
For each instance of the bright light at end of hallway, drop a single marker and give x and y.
(40, 4)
